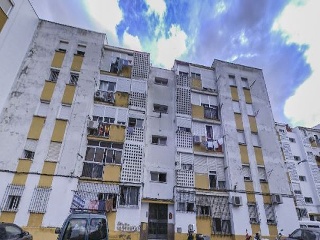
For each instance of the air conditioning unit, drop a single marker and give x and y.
(93, 124)
(276, 199)
(196, 139)
(236, 200)
(98, 94)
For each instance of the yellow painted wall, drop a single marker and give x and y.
(58, 131)
(196, 84)
(58, 59)
(253, 124)
(7, 217)
(204, 225)
(249, 186)
(197, 111)
(266, 199)
(41, 233)
(199, 148)
(35, 219)
(238, 119)
(47, 91)
(3, 19)
(48, 169)
(201, 181)
(121, 99)
(23, 166)
(111, 173)
(251, 198)
(273, 231)
(68, 94)
(259, 156)
(255, 229)
(126, 71)
(111, 216)
(247, 95)
(234, 93)
(117, 133)
(36, 127)
(264, 187)
(244, 153)
(76, 63)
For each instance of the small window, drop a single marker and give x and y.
(134, 122)
(292, 140)
(129, 196)
(262, 174)
(302, 178)
(160, 108)
(246, 172)
(161, 81)
(28, 154)
(281, 130)
(54, 74)
(204, 210)
(74, 78)
(158, 177)
(210, 112)
(62, 46)
(232, 80)
(209, 132)
(81, 50)
(297, 158)
(308, 200)
(13, 202)
(159, 140)
(184, 129)
(213, 179)
(244, 82)
(195, 75)
(186, 167)
(253, 213)
(106, 119)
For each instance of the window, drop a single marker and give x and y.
(107, 86)
(110, 198)
(246, 172)
(297, 158)
(159, 140)
(29, 149)
(241, 137)
(281, 130)
(62, 47)
(158, 177)
(232, 80)
(184, 74)
(103, 152)
(253, 213)
(302, 178)
(210, 112)
(255, 140)
(310, 153)
(185, 166)
(28, 154)
(129, 196)
(74, 78)
(269, 210)
(161, 81)
(203, 210)
(209, 133)
(302, 213)
(220, 226)
(12, 198)
(249, 109)
(54, 74)
(81, 50)
(135, 122)
(195, 75)
(160, 108)
(236, 106)
(292, 140)
(213, 179)
(296, 188)
(185, 206)
(262, 174)
(244, 82)
(184, 129)
(308, 200)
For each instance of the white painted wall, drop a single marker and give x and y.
(22, 21)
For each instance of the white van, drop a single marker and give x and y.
(309, 224)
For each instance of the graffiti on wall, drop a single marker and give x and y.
(126, 227)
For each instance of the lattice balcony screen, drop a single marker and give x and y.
(184, 140)
(39, 200)
(185, 178)
(183, 101)
(132, 162)
(134, 134)
(141, 65)
(183, 80)
(11, 198)
(53, 152)
(138, 99)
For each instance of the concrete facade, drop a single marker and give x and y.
(91, 126)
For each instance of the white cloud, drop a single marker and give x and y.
(171, 48)
(106, 14)
(297, 25)
(131, 42)
(158, 7)
(220, 8)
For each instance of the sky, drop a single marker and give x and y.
(278, 36)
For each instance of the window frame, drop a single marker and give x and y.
(159, 140)
(123, 199)
(159, 108)
(161, 81)
(159, 177)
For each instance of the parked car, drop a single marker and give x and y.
(84, 226)
(11, 231)
(305, 234)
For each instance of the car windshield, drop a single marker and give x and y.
(97, 229)
(76, 229)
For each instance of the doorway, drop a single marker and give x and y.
(158, 221)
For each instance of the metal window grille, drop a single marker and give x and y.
(39, 200)
(270, 214)
(253, 213)
(129, 195)
(246, 172)
(12, 198)
(74, 78)
(132, 163)
(54, 74)
(262, 174)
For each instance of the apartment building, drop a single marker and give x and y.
(301, 150)
(91, 126)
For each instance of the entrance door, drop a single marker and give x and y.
(158, 221)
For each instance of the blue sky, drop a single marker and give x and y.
(277, 36)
